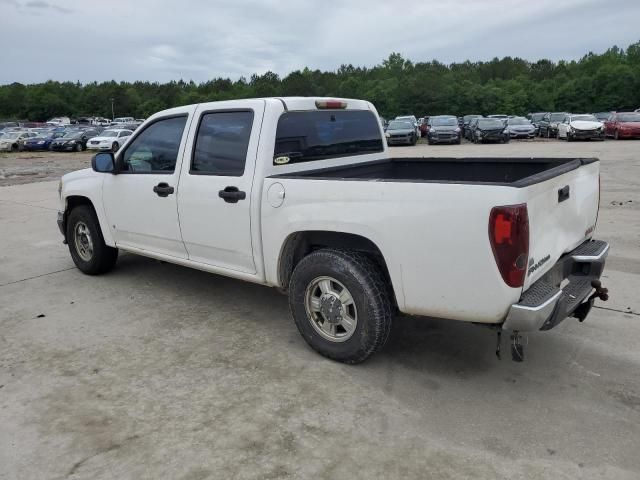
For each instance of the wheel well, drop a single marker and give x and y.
(74, 201)
(300, 244)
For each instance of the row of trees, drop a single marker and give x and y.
(596, 82)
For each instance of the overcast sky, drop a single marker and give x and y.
(161, 40)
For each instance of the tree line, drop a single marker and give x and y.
(596, 82)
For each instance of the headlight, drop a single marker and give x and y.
(457, 129)
(387, 134)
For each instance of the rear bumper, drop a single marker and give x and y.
(561, 291)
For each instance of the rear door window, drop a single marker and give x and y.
(324, 134)
(222, 143)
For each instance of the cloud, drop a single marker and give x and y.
(161, 40)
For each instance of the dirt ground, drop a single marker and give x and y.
(28, 167)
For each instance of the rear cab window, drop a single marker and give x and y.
(305, 136)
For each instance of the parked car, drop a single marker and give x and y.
(602, 116)
(74, 140)
(443, 129)
(7, 125)
(623, 125)
(14, 141)
(580, 127)
(42, 141)
(122, 120)
(413, 120)
(59, 121)
(401, 132)
(465, 123)
(111, 139)
(470, 129)
(520, 127)
(500, 117)
(515, 254)
(535, 119)
(548, 126)
(490, 130)
(424, 126)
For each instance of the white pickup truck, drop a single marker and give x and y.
(301, 194)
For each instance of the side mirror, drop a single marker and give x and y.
(103, 162)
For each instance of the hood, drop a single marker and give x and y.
(105, 139)
(78, 174)
(585, 125)
(444, 128)
(401, 131)
(491, 129)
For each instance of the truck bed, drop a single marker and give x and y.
(515, 172)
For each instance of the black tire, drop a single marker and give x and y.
(548, 133)
(103, 257)
(78, 147)
(429, 142)
(14, 148)
(616, 135)
(459, 141)
(114, 147)
(371, 297)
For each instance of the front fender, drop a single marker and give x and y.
(87, 184)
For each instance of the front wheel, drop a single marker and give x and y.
(78, 147)
(86, 243)
(616, 135)
(115, 147)
(341, 304)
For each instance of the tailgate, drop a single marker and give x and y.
(562, 214)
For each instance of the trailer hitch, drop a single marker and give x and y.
(602, 293)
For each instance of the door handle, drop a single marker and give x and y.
(563, 193)
(163, 189)
(232, 194)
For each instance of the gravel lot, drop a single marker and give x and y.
(156, 371)
(27, 167)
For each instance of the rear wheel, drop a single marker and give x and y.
(616, 135)
(341, 304)
(86, 243)
(78, 147)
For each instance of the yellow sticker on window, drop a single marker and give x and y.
(281, 160)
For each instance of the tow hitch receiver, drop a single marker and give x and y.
(583, 310)
(517, 347)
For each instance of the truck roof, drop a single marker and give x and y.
(289, 103)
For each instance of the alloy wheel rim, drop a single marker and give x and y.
(331, 309)
(83, 241)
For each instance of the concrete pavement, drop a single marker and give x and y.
(157, 371)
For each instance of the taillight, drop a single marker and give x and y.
(330, 104)
(509, 237)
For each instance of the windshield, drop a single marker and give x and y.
(396, 125)
(584, 118)
(10, 136)
(536, 117)
(72, 134)
(629, 117)
(518, 121)
(409, 119)
(109, 133)
(467, 118)
(602, 115)
(557, 117)
(490, 123)
(444, 121)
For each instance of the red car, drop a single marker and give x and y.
(424, 128)
(623, 125)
